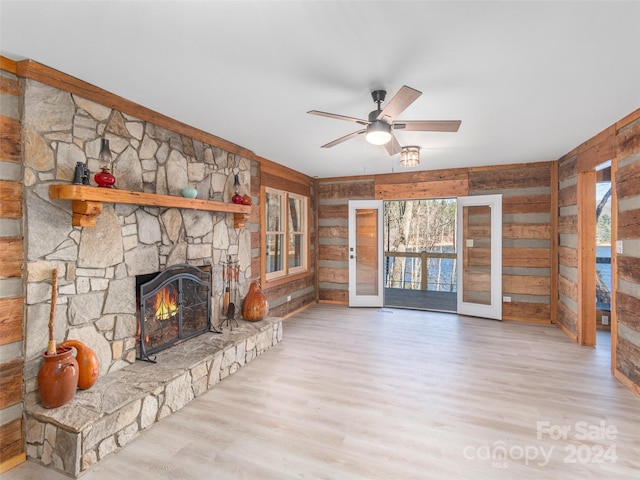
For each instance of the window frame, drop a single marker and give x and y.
(286, 272)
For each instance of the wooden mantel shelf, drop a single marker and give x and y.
(87, 202)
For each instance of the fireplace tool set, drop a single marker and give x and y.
(230, 275)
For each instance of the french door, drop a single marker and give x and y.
(366, 253)
(479, 240)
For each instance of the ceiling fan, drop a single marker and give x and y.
(381, 123)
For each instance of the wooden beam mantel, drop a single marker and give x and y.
(86, 202)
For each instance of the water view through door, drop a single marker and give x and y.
(420, 254)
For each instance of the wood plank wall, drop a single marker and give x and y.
(627, 291)
(11, 266)
(526, 235)
(301, 288)
(567, 314)
(527, 232)
(333, 233)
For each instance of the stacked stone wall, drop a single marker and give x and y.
(97, 266)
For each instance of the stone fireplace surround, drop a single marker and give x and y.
(97, 267)
(121, 405)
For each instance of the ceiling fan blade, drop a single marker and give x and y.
(339, 117)
(428, 125)
(405, 97)
(393, 146)
(343, 139)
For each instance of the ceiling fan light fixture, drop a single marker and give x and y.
(410, 156)
(378, 133)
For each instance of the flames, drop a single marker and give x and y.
(166, 303)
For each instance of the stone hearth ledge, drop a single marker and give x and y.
(104, 418)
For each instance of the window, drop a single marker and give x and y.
(286, 233)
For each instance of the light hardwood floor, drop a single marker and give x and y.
(397, 394)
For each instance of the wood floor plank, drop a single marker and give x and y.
(396, 394)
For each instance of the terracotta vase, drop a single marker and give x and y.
(58, 378)
(88, 364)
(255, 306)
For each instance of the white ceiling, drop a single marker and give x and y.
(529, 80)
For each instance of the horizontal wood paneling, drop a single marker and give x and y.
(568, 167)
(11, 311)
(363, 190)
(568, 256)
(333, 252)
(532, 231)
(567, 287)
(526, 204)
(11, 257)
(334, 211)
(10, 150)
(285, 184)
(597, 150)
(526, 257)
(10, 199)
(267, 167)
(627, 303)
(568, 319)
(629, 224)
(11, 382)
(334, 296)
(628, 359)
(627, 180)
(628, 138)
(568, 224)
(426, 176)
(278, 304)
(629, 268)
(333, 232)
(11, 264)
(333, 275)
(510, 178)
(526, 311)
(526, 284)
(11, 442)
(568, 196)
(422, 190)
(628, 310)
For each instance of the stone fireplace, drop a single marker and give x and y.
(97, 266)
(97, 269)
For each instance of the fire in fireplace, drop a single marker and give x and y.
(174, 305)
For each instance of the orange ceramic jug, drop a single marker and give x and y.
(255, 305)
(58, 378)
(88, 364)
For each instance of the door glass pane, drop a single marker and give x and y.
(367, 251)
(476, 247)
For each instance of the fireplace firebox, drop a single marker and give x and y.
(174, 305)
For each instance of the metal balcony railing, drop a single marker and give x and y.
(433, 271)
